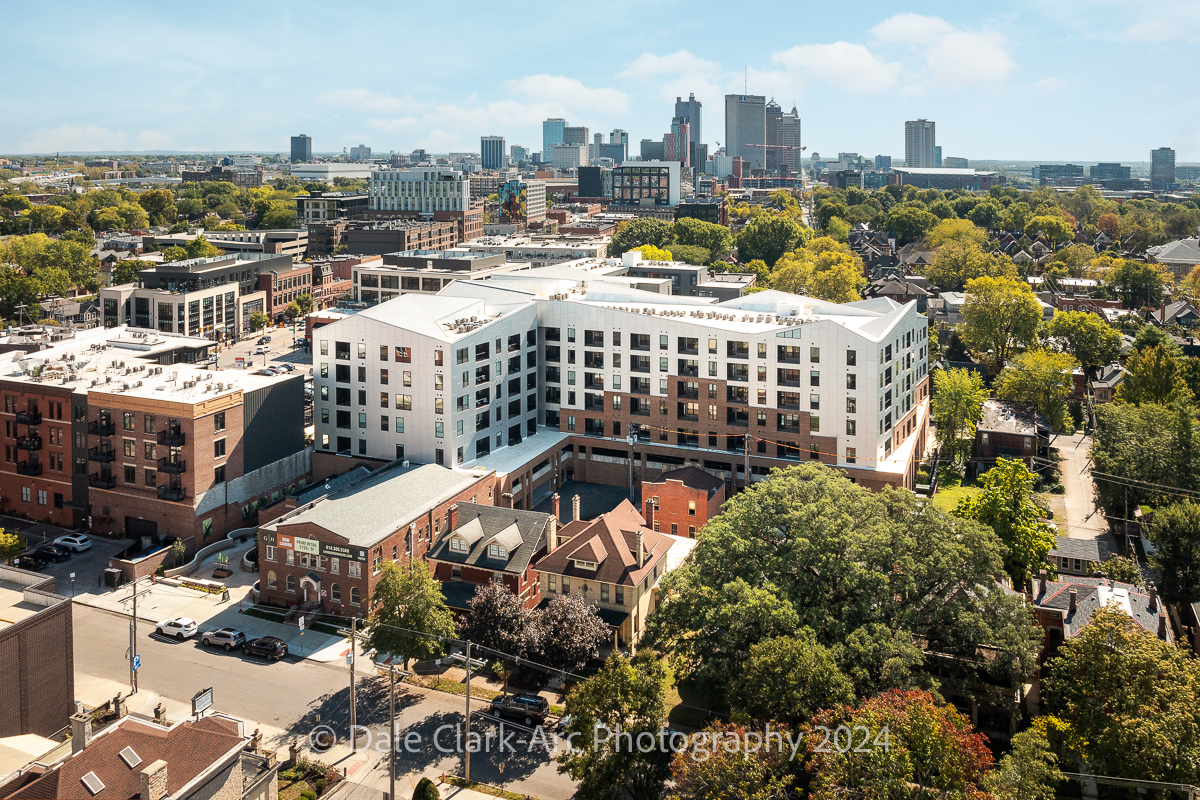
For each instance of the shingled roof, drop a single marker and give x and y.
(522, 533)
(610, 540)
(1092, 594)
(188, 747)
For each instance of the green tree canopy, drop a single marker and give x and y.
(1006, 506)
(1155, 375)
(959, 261)
(1129, 702)
(643, 230)
(408, 618)
(957, 407)
(790, 678)
(769, 237)
(908, 223)
(1042, 379)
(1000, 315)
(1135, 283)
(1149, 444)
(716, 238)
(126, 272)
(1086, 336)
(956, 230)
(1175, 532)
(1052, 227)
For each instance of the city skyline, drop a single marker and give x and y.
(970, 72)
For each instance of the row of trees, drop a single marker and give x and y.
(690, 240)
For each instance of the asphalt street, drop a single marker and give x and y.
(299, 696)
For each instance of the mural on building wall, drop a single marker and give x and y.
(512, 198)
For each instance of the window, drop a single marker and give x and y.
(550, 583)
(814, 401)
(271, 580)
(814, 378)
(291, 583)
(324, 347)
(219, 421)
(566, 584)
(403, 355)
(814, 355)
(851, 427)
(129, 418)
(604, 593)
(851, 405)
(439, 430)
(762, 349)
(814, 424)
(362, 349)
(851, 358)
(404, 402)
(851, 454)
(620, 595)
(291, 558)
(148, 450)
(355, 596)
(219, 474)
(151, 478)
(335, 593)
(149, 424)
(130, 475)
(354, 569)
(41, 497)
(851, 380)
(712, 348)
(497, 551)
(219, 448)
(691, 508)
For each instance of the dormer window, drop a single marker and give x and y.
(459, 545)
(497, 551)
(591, 565)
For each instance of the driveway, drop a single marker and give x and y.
(1083, 520)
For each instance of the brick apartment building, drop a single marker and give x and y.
(686, 499)
(284, 286)
(375, 237)
(490, 544)
(148, 443)
(327, 554)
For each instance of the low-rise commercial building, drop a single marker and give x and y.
(425, 271)
(705, 209)
(931, 178)
(37, 655)
(277, 242)
(244, 177)
(684, 500)
(285, 286)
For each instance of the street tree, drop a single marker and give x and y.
(1029, 770)
(956, 230)
(1135, 283)
(11, 545)
(987, 215)
(769, 237)
(1154, 375)
(651, 253)
(1055, 229)
(908, 223)
(305, 302)
(1000, 315)
(643, 230)
(739, 768)
(258, 320)
(159, 205)
(1175, 532)
(910, 747)
(498, 619)
(1006, 506)
(808, 548)
(1142, 446)
(1086, 336)
(1042, 379)
(1129, 702)
(957, 407)
(958, 261)
(629, 695)
(790, 678)
(715, 238)
(570, 632)
(408, 617)
(292, 311)
(1109, 223)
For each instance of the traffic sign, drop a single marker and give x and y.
(137, 661)
(301, 623)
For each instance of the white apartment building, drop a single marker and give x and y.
(570, 156)
(539, 251)
(607, 370)
(424, 191)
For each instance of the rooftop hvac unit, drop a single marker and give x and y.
(404, 464)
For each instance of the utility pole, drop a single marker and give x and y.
(133, 654)
(467, 739)
(353, 658)
(631, 439)
(392, 733)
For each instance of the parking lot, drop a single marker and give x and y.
(88, 566)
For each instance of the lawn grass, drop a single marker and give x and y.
(484, 788)
(947, 499)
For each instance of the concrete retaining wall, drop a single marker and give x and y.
(228, 543)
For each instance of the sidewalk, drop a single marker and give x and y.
(167, 602)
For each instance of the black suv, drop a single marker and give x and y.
(528, 708)
(269, 647)
(53, 552)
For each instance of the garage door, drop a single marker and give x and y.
(135, 528)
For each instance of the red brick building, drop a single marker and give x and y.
(328, 553)
(36, 472)
(490, 544)
(686, 499)
(284, 286)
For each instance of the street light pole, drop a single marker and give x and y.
(353, 659)
(392, 733)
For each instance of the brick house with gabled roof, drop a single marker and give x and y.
(490, 544)
(687, 499)
(615, 561)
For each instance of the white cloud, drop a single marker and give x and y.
(365, 100)
(1048, 85)
(86, 138)
(944, 56)
(850, 67)
(676, 74)
(570, 93)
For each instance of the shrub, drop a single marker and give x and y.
(426, 790)
(308, 796)
(319, 784)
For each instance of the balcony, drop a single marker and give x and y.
(639, 386)
(29, 418)
(639, 364)
(593, 402)
(30, 443)
(737, 394)
(101, 427)
(172, 437)
(738, 372)
(689, 392)
(25, 468)
(100, 481)
(688, 369)
(174, 493)
(104, 455)
(737, 417)
(174, 466)
(593, 381)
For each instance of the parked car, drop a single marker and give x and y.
(228, 638)
(269, 371)
(180, 627)
(269, 647)
(288, 367)
(528, 708)
(53, 552)
(77, 542)
(264, 340)
(262, 349)
(31, 561)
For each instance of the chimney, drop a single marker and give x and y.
(1072, 607)
(649, 515)
(1041, 582)
(575, 508)
(641, 541)
(1162, 625)
(554, 503)
(154, 781)
(81, 731)
(552, 534)
(1153, 597)
(454, 517)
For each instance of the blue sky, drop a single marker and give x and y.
(1024, 80)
